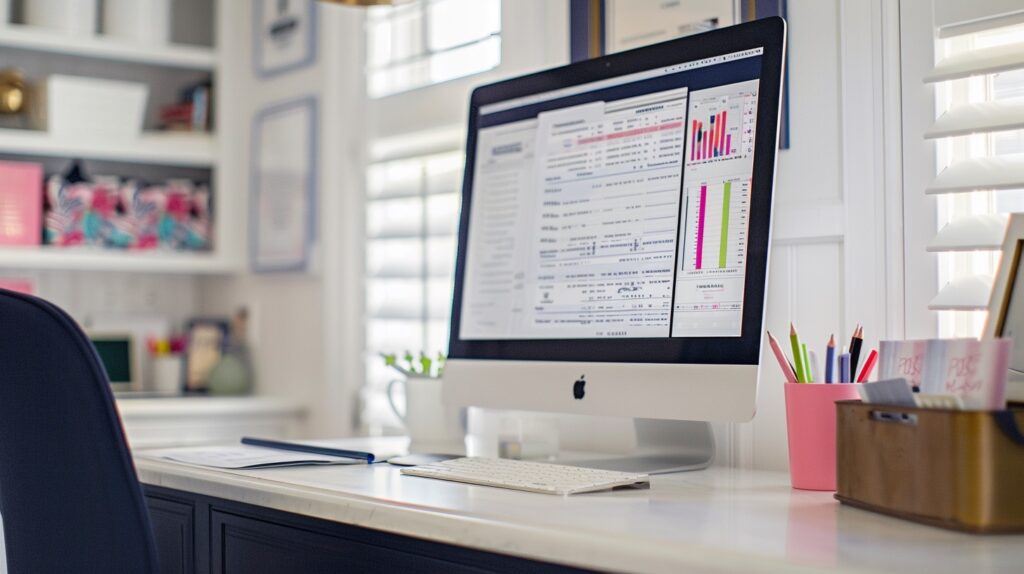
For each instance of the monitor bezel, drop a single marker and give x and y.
(767, 34)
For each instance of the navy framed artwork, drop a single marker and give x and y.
(283, 184)
(284, 36)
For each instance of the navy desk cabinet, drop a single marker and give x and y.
(202, 534)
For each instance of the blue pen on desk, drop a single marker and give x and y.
(307, 448)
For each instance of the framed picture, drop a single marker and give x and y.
(207, 341)
(121, 356)
(283, 186)
(284, 36)
(1006, 304)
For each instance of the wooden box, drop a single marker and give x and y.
(962, 470)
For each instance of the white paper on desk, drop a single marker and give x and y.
(250, 457)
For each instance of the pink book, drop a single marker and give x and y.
(20, 285)
(21, 203)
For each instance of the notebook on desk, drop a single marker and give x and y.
(246, 457)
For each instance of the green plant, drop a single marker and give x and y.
(409, 364)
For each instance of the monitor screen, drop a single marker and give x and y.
(618, 215)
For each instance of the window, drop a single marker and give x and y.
(412, 210)
(980, 155)
(424, 42)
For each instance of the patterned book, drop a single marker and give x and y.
(21, 203)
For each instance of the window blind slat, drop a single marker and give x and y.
(996, 172)
(971, 233)
(977, 62)
(981, 117)
(969, 293)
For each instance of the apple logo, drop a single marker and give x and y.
(578, 388)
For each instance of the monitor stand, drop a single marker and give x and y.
(662, 446)
(650, 446)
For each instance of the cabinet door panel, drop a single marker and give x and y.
(173, 529)
(244, 545)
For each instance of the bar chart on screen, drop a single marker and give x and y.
(715, 220)
(722, 126)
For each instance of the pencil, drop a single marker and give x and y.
(869, 365)
(855, 344)
(794, 340)
(815, 371)
(830, 359)
(780, 356)
(844, 368)
(808, 375)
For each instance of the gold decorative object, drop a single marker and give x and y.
(12, 91)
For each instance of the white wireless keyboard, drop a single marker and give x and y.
(529, 476)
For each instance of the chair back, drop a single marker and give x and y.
(69, 496)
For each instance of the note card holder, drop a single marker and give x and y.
(960, 470)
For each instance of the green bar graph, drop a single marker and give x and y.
(724, 243)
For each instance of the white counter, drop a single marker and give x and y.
(718, 520)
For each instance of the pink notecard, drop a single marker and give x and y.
(21, 203)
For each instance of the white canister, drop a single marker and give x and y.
(5, 12)
(142, 21)
(69, 16)
(167, 372)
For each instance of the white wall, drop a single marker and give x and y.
(828, 254)
(287, 328)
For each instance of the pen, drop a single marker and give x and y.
(869, 365)
(855, 344)
(794, 340)
(830, 359)
(322, 450)
(780, 356)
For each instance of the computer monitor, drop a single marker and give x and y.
(615, 228)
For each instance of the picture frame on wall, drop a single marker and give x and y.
(284, 36)
(283, 183)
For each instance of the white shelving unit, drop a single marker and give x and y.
(155, 148)
(187, 150)
(41, 40)
(95, 259)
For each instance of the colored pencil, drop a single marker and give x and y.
(815, 371)
(855, 344)
(780, 356)
(830, 359)
(844, 368)
(794, 340)
(869, 365)
(808, 376)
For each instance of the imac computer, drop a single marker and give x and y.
(614, 236)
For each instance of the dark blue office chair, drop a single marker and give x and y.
(69, 495)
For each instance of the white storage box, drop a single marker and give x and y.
(77, 17)
(88, 107)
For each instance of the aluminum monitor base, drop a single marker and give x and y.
(662, 447)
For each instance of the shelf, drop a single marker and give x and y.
(44, 40)
(94, 259)
(161, 148)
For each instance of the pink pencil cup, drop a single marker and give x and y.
(811, 423)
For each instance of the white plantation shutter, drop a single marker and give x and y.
(412, 209)
(417, 43)
(979, 135)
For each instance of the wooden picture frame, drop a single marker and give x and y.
(1006, 304)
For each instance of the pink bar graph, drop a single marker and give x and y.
(700, 224)
(728, 144)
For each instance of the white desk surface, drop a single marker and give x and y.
(716, 520)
